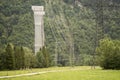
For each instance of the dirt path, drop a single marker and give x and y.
(36, 73)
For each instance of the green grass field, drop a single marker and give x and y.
(15, 72)
(77, 73)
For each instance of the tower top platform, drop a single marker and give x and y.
(37, 8)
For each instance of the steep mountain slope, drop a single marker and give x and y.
(71, 27)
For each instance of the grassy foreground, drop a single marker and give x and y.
(80, 73)
(16, 72)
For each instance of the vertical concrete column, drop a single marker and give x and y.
(39, 27)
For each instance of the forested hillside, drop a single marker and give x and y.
(72, 27)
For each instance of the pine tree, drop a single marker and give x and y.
(22, 58)
(40, 59)
(43, 58)
(10, 58)
(46, 56)
(17, 57)
(2, 60)
(29, 59)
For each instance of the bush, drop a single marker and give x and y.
(43, 58)
(109, 51)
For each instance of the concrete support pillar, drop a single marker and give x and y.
(39, 27)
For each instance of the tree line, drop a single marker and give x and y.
(16, 57)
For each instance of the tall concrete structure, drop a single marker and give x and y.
(39, 27)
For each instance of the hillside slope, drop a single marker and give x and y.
(71, 27)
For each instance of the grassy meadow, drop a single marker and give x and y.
(68, 73)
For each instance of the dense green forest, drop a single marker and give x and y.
(73, 28)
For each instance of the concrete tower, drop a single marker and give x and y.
(39, 27)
